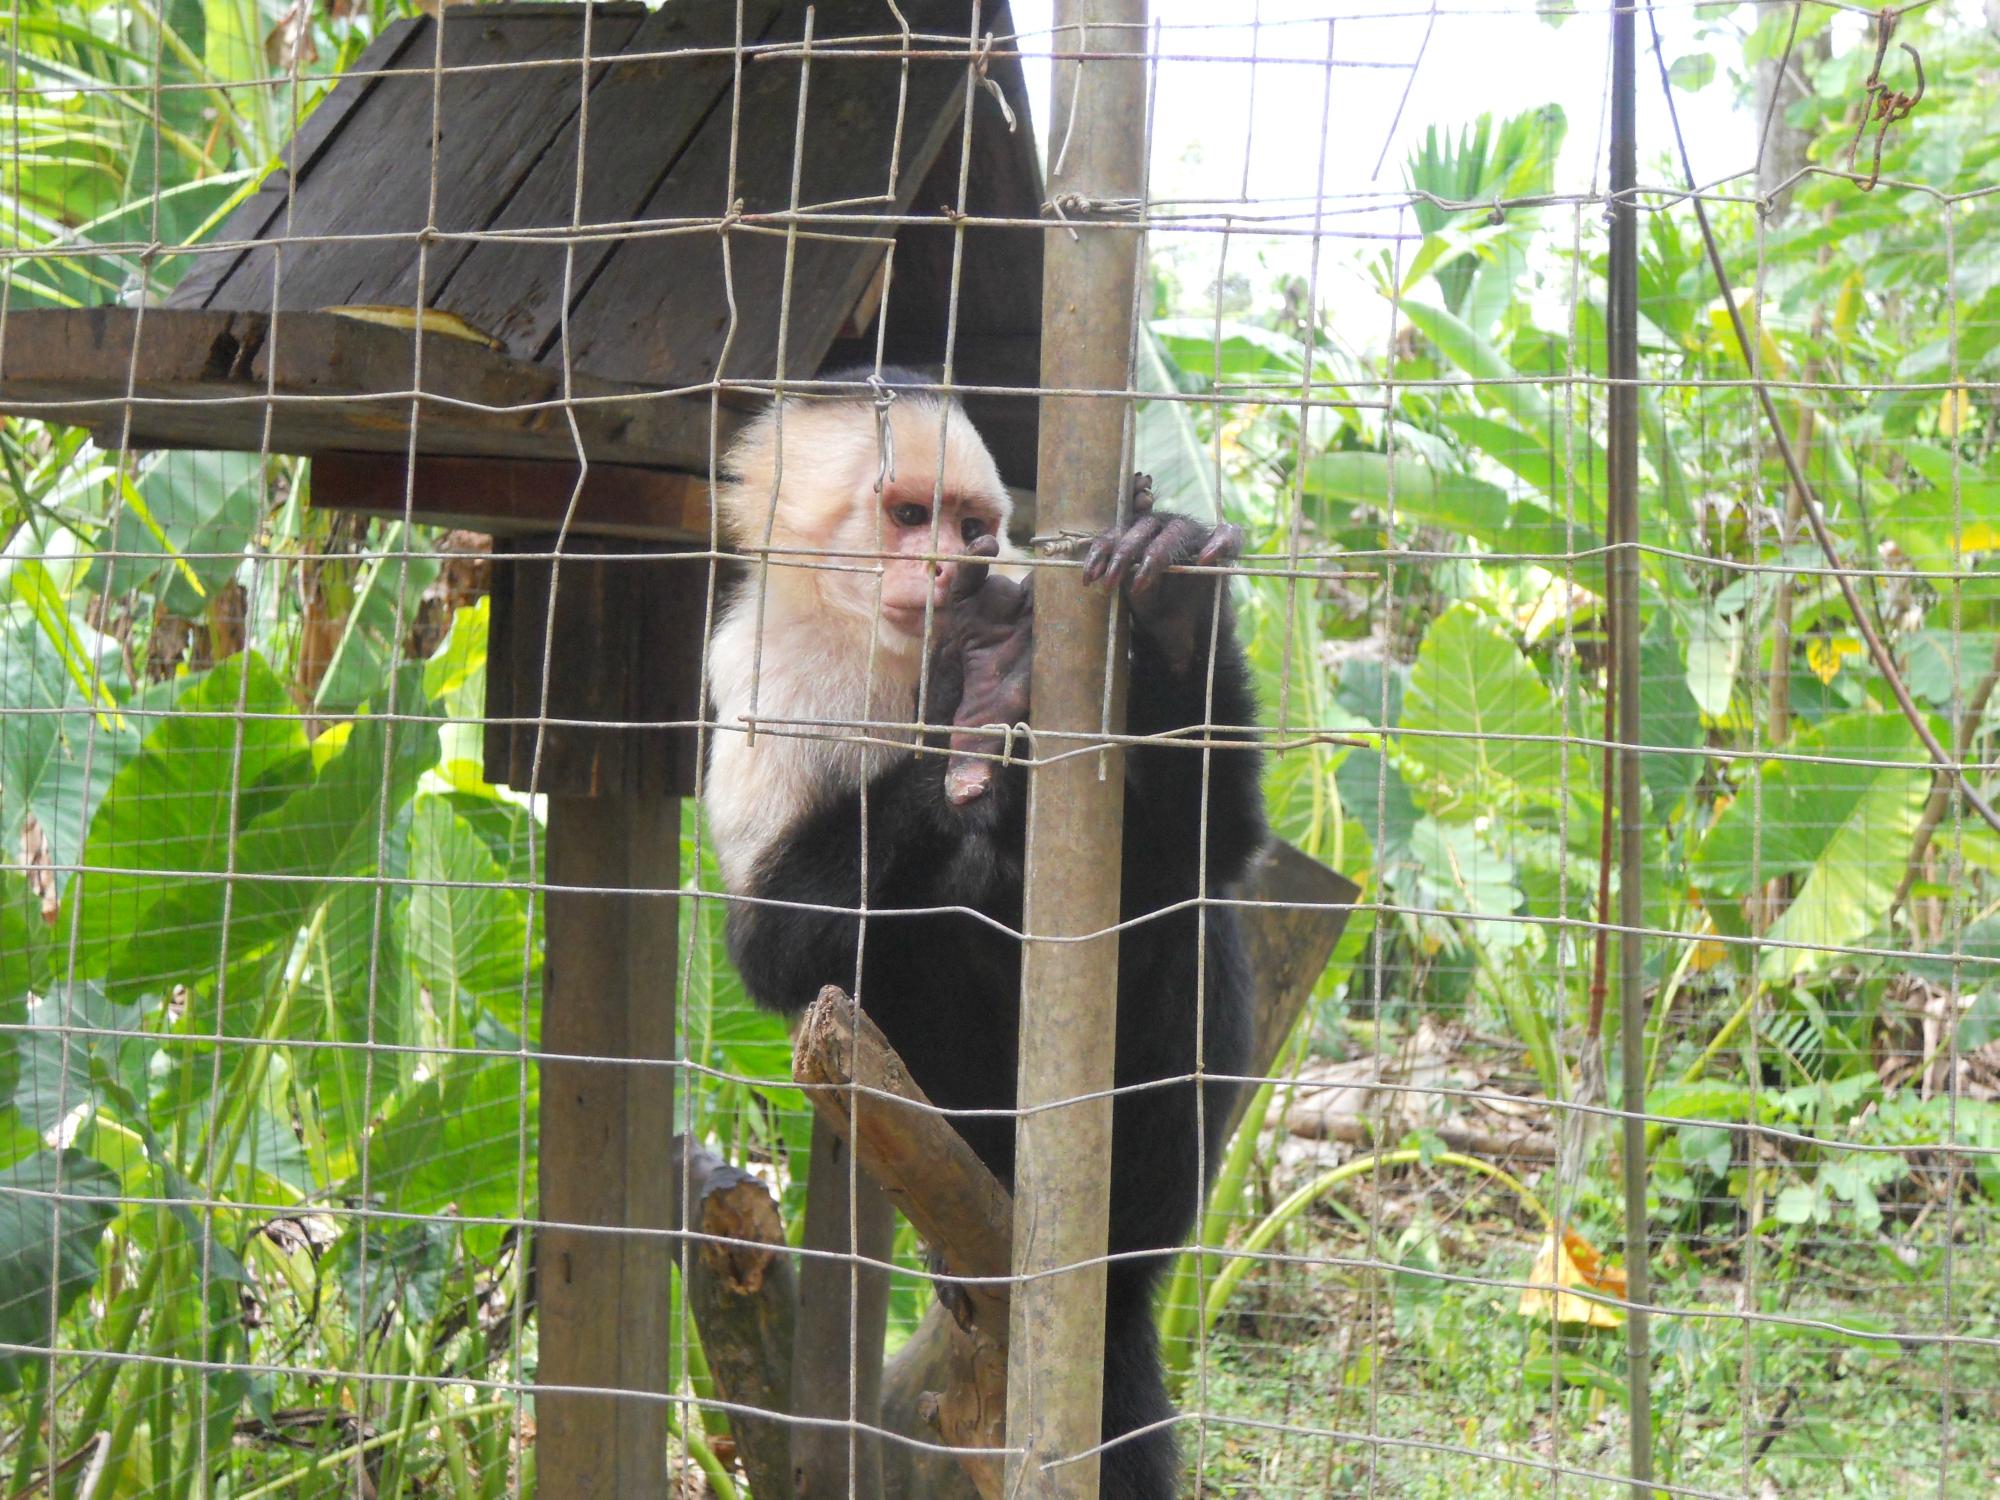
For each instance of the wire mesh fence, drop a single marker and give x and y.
(399, 578)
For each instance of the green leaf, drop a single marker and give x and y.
(28, 945)
(57, 757)
(1502, 388)
(1532, 461)
(187, 503)
(73, 1035)
(397, 1266)
(1714, 651)
(48, 1244)
(1422, 494)
(1232, 352)
(1669, 717)
(462, 1140)
(1374, 794)
(1693, 72)
(165, 921)
(1844, 825)
(1470, 692)
(1165, 443)
(368, 638)
(1798, 1204)
(1798, 810)
(468, 927)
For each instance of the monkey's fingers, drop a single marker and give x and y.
(1142, 494)
(1177, 538)
(1224, 545)
(1112, 553)
(971, 574)
(968, 774)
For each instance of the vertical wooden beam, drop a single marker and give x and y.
(838, 1298)
(1069, 989)
(610, 645)
(606, 1123)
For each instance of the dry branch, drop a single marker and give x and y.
(928, 1171)
(740, 1289)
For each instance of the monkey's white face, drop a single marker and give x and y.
(865, 527)
(922, 529)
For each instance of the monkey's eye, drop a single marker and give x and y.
(972, 528)
(910, 515)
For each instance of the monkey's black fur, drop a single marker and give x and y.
(945, 988)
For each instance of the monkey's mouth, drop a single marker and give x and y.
(903, 619)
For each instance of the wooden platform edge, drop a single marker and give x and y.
(313, 382)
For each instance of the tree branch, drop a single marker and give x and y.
(862, 1089)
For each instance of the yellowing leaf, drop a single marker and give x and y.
(1825, 653)
(1848, 307)
(1953, 408)
(434, 320)
(1769, 361)
(1707, 953)
(1574, 1262)
(1980, 536)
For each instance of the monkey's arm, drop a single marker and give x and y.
(941, 832)
(1188, 670)
(796, 926)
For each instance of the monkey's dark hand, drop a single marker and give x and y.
(1169, 607)
(990, 630)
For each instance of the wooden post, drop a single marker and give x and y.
(840, 1302)
(607, 648)
(602, 1298)
(1069, 990)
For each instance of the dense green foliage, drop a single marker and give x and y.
(269, 953)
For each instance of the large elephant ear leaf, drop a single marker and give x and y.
(1840, 821)
(1479, 727)
(54, 1207)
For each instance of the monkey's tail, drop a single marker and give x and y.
(1147, 1466)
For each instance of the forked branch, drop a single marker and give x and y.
(861, 1088)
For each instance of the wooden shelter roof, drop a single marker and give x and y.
(631, 292)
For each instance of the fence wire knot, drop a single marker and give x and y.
(981, 61)
(1059, 544)
(1063, 205)
(885, 436)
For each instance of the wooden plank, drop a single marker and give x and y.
(513, 497)
(658, 311)
(254, 217)
(624, 695)
(603, 1295)
(209, 379)
(643, 113)
(477, 137)
(1000, 303)
(499, 131)
(1290, 940)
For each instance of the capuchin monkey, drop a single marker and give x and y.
(846, 640)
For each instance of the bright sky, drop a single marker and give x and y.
(1486, 55)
